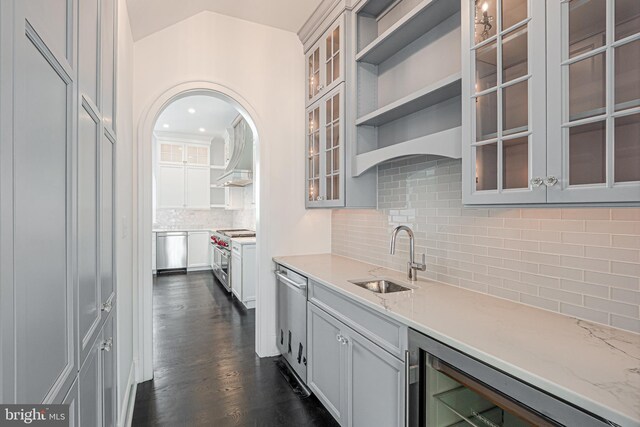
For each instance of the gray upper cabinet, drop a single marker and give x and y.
(88, 64)
(38, 342)
(107, 290)
(593, 57)
(347, 372)
(551, 102)
(325, 62)
(108, 55)
(330, 181)
(325, 151)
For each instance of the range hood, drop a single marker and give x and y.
(239, 171)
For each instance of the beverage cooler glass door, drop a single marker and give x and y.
(448, 388)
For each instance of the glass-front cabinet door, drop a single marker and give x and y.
(325, 151)
(324, 62)
(504, 139)
(594, 101)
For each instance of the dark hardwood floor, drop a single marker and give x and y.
(206, 371)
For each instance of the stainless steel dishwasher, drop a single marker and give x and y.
(292, 319)
(171, 251)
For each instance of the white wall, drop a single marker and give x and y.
(124, 205)
(265, 66)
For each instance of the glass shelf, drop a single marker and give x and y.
(474, 410)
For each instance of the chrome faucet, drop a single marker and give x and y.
(412, 266)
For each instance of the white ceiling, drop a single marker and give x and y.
(212, 114)
(149, 16)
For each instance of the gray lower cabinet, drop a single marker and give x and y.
(96, 383)
(326, 362)
(348, 372)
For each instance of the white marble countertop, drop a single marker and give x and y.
(244, 240)
(592, 366)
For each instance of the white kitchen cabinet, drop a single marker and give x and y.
(234, 198)
(183, 174)
(198, 248)
(197, 185)
(171, 186)
(325, 62)
(551, 102)
(243, 272)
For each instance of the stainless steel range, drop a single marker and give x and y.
(221, 241)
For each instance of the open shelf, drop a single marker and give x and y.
(218, 167)
(375, 7)
(442, 90)
(424, 17)
(447, 143)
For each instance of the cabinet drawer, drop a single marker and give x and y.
(236, 247)
(386, 332)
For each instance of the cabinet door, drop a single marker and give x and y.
(315, 74)
(594, 101)
(325, 151)
(108, 367)
(326, 356)
(107, 289)
(333, 55)
(503, 92)
(236, 275)
(197, 155)
(198, 249)
(197, 187)
(108, 51)
(332, 148)
(170, 189)
(71, 399)
(373, 375)
(312, 156)
(89, 298)
(88, 41)
(37, 205)
(90, 387)
(171, 153)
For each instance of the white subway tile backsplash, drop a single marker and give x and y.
(583, 262)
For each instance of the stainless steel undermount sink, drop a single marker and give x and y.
(380, 286)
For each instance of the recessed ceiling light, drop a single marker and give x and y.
(202, 129)
(166, 126)
(191, 110)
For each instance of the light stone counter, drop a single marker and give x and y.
(593, 366)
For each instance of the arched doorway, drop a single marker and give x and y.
(143, 333)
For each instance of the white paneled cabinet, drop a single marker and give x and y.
(196, 190)
(198, 249)
(171, 186)
(243, 272)
(551, 102)
(183, 174)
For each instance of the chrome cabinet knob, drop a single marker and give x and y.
(550, 181)
(344, 340)
(537, 181)
(106, 345)
(107, 306)
(339, 338)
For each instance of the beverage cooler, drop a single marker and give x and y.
(448, 388)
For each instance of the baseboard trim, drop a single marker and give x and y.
(126, 412)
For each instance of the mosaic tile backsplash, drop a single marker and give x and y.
(583, 262)
(187, 218)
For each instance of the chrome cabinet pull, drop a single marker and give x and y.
(537, 181)
(550, 181)
(107, 344)
(107, 306)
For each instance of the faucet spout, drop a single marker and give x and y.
(412, 266)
